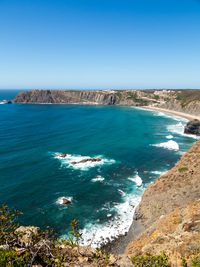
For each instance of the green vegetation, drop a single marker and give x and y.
(76, 236)
(183, 169)
(161, 260)
(195, 262)
(43, 248)
(134, 97)
(187, 96)
(156, 97)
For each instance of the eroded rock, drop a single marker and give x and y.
(193, 127)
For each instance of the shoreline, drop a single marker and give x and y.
(176, 113)
(119, 245)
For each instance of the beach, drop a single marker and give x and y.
(176, 113)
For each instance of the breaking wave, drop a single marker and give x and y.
(179, 129)
(171, 145)
(96, 234)
(98, 179)
(77, 161)
(136, 179)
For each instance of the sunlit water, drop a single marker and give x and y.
(136, 146)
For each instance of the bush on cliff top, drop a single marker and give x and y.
(26, 248)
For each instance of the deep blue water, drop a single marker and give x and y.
(136, 146)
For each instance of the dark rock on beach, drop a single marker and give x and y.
(192, 127)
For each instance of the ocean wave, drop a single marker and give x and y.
(122, 193)
(69, 160)
(98, 179)
(170, 116)
(2, 102)
(136, 179)
(169, 136)
(96, 234)
(171, 145)
(158, 113)
(179, 129)
(60, 200)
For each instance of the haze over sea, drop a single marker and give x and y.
(136, 147)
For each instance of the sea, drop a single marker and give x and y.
(135, 146)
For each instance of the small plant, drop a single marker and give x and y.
(184, 262)
(76, 235)
(8, 225)
(183, 169)
(196, 261)
(161, 260)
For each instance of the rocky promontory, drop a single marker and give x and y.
(169, 213)
(99, 97)
(185, 101)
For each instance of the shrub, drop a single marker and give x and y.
(183, 169)
(161, 260)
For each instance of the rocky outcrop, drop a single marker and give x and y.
(26, 233)
(68, 97)
(192, 127)
(86, 160)
(177, 233)
(169, 211)
(66, 201)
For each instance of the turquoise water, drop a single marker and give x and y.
(135, 146)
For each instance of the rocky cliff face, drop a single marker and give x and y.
(170, 212)
(191, 108)
(72, 97)
(106, 97)
(187, 101)
(193, 127)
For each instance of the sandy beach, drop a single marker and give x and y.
(176, 113)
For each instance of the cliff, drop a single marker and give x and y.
(104, 97)
(170, 212)
(79, 97)
(187, 101)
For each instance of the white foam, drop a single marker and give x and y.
(69, 159)
(169, 136)
(170, 116)
(98, 179)
(96, 234)
(122, 193)
(3, 102)
(158, 113)
(136, 179)
(179, 129)
(60, 200)
(159, 172)
(171, 145)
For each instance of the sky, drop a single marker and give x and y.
(92, 44)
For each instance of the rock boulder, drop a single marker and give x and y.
(192, 127)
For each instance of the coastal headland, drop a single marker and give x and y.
(185, 103)
(167, 217)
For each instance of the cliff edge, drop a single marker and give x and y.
(170, 213)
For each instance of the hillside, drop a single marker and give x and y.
(169, 211)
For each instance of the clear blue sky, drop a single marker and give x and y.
(99, 44)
